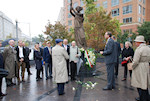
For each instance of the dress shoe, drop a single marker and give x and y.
(3, 94)
(107, 88)
(62, 93)
(137, 99)
(29, 73)
(124, 79)
(1, 97)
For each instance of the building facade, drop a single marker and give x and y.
(132, 13)
(8, 29)
(61, 16)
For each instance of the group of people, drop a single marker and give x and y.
(13, 60)
(61, 62)
(140, 72)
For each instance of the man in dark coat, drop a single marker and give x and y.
(118, 50)
(28, 51)
(21, 56)
(110, 60)
(67, 48)
(1, 79)
(47, 59)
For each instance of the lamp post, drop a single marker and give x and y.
(17, 31)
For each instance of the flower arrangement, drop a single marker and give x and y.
(90, 57)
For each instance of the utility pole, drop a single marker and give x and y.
(17, 31)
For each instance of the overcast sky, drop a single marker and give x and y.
(35, 12)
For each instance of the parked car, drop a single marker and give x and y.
(2, 49)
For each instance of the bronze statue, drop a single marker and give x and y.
(78, 26)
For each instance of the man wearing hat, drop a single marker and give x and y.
(141, 75)
(59, 57)
(47, 58)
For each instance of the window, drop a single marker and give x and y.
(143, 1)
(68, 7)
(105, 4)
(69, 22)
(127, 9)
(139, 19)
(69, 29)
(129, 31)
(125, 1)
(82, 3)
(143, 20)
(69, 15)
(75, 5)
(115, 12)
(127, 20)
(140, 9)
(69, 1)
(114, 2)
(140, 0)
(143, 11)
(98, 5)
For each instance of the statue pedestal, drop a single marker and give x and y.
(85, 71)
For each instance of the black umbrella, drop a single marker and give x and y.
(5, 43)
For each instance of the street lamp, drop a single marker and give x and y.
(17, 29)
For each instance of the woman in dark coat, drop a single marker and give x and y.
(38, 61)
(1, 66)
(127, 54)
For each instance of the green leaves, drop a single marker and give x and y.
(145, 31)
(57, 31)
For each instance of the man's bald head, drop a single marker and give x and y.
(12, 43)
(65, 41)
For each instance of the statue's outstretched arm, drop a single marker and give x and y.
(72, 13)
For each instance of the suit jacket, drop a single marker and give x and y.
(24, 53)
(1, 61)
(47, 57)
(109, 52)
(27, 53)
(68, 49)
(118, 49)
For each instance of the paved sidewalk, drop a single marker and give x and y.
(43, 90)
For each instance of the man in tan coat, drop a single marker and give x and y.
(141, 74)
(60, 74)
(10, 62)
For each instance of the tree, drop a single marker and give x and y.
(122, 38)
(38, 39)
(57, 31)
(145, 31)
(41, 38)
(97, 22)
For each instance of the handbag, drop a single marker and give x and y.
(3, 73)
(123, 62)
(129, 65)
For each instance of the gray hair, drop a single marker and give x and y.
(129, 43)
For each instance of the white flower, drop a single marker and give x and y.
(73, 89)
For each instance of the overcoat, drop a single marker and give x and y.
(59, 57)
(140, 74)
(10, 61)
